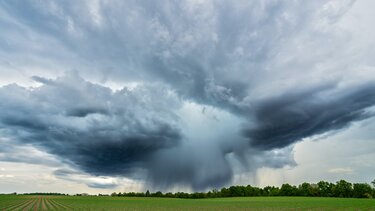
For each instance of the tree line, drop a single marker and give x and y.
(341, 188)
(45, 194)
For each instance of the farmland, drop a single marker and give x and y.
(21, 202)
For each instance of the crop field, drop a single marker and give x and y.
(13, 202)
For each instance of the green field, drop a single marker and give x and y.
(12, 202)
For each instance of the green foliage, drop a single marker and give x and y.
(271, 191)
(342, 189)
(288, 190)
(362, 190)
(306, 189)
(325, 189)
(44, 194)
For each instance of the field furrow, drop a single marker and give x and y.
(29, 206)
(8, 204)
(49, 204)
(11, 204)
(38, 204)
(54, 206)
(61, 205)
(21, 202)
(43, 204)
(19, 205)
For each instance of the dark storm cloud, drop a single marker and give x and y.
(114, 138)
(133, 133)
(283, 120)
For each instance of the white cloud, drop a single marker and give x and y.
(341, 170)
(6, 175)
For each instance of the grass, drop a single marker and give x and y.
(12, 202)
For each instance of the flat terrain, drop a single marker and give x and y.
(12, 202)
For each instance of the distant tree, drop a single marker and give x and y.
(224, 192)
(197, 195)
(141, 194)
(216, 193)
(158, 194)
(181, 195)
(288, 190)
(343, 189)
(237, 191)
(271, 191)
(362, 190)
(169, 195)
(373, 183)
(252, 191)
(325, 189)
(306, 189)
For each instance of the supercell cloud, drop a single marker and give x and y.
(179, 94)
(101, 131)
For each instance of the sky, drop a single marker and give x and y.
(100, 96)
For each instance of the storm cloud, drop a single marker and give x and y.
(288, 118)
(101, 131)
(179, 93)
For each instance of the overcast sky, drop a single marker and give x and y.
(102, 96)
